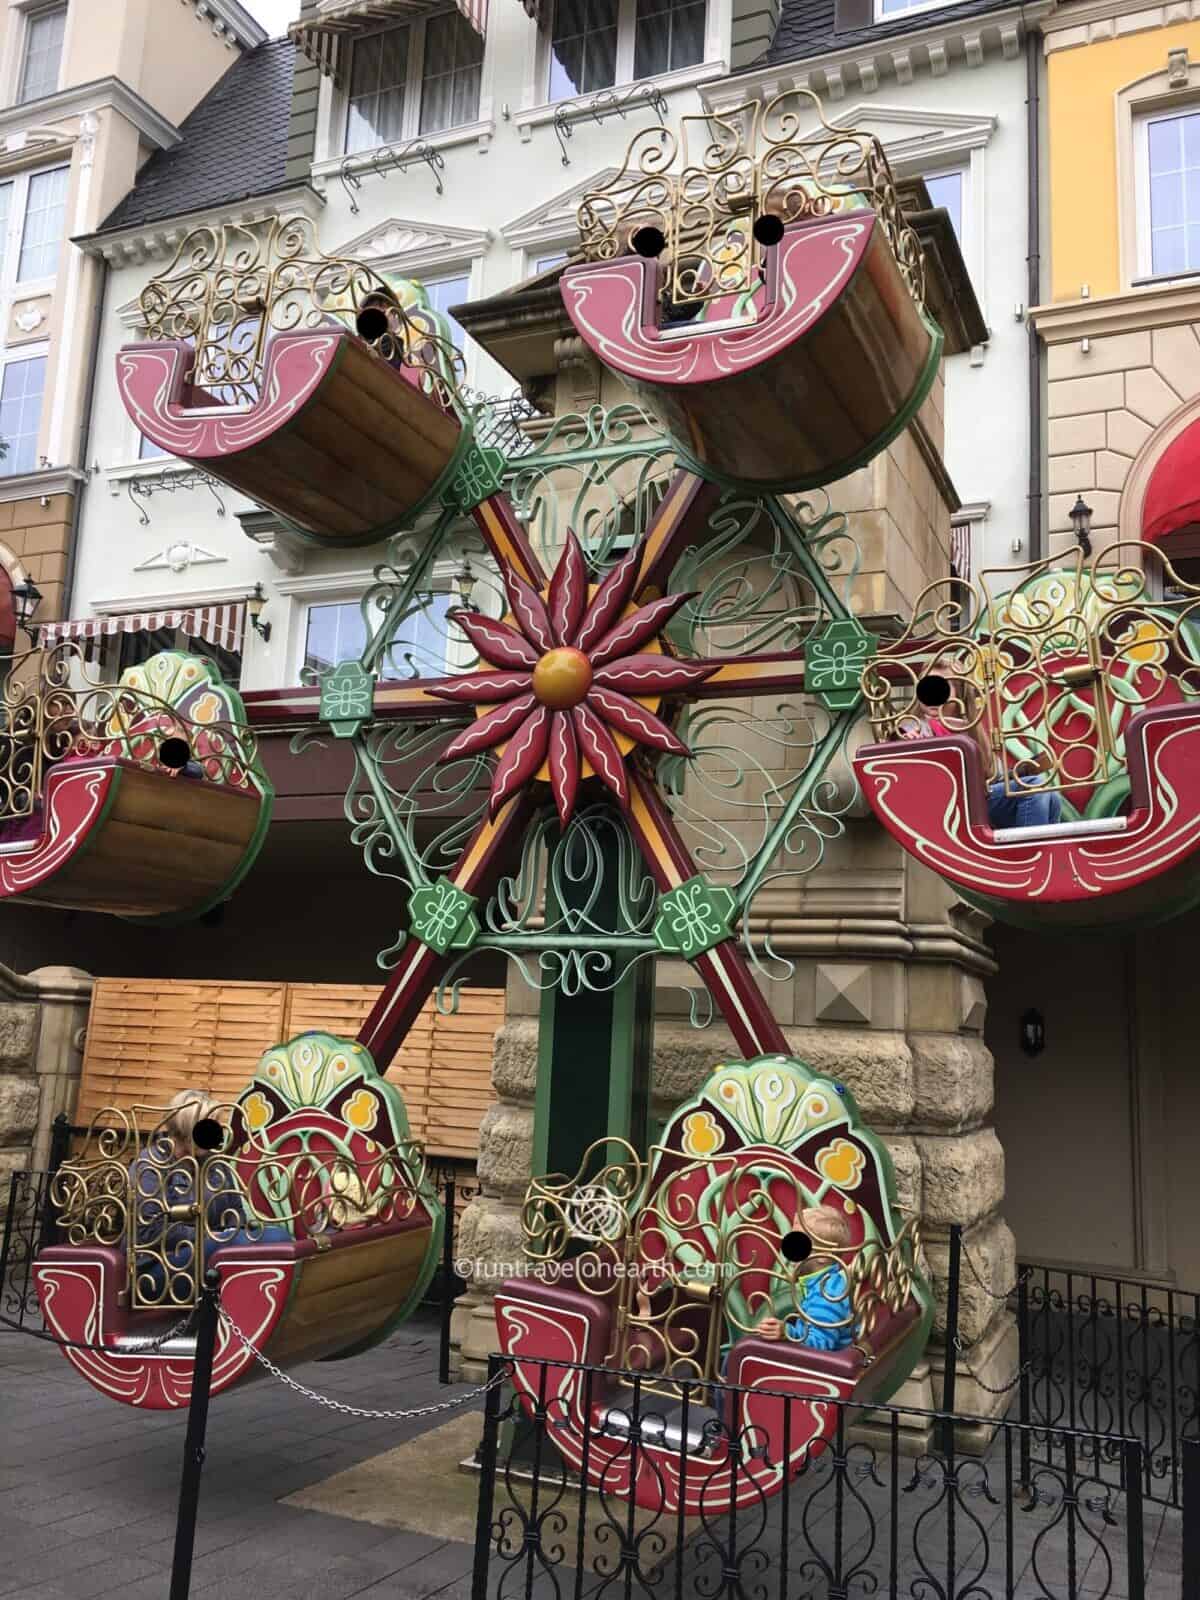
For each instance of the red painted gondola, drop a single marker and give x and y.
(315, 1213)
(1086, 687)
(690, 1268)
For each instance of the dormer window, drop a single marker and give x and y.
(41, 63)
(419, 78)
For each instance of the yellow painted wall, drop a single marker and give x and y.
(1082, 87)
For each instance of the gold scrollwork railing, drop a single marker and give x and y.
(232, 286)
(51, 708)
(1045, 664)
(718, 193)
(138, 1187)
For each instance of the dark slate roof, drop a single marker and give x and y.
(233, 144)
(807, 27)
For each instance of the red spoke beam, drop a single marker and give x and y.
(682, 516)
(419, 968)
(507, 539)
(396, 700)
(723, 968)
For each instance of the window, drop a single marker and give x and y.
(946, 189)
(446, 292)
(44, 225)
(595, 44)
(338, 633)
(21, 392)
(554, 259)
(895, 8)
(43, 53)
(1171, 235)
(148, 450)
(419, 78)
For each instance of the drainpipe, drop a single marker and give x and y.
(1033, 289)
(85, 437)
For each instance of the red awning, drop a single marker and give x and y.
(1173, 493)
(222, 626)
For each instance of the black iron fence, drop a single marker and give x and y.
(877, 1507)
(1108, 1356)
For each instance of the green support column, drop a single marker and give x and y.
(594, 1051)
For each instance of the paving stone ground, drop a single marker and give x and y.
(89, 1491)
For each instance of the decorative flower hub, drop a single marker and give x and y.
(571, 682)
(562, 678)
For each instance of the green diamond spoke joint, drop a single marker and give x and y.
(694, 917)
(834, 660)
(442, 916)
(347, 698)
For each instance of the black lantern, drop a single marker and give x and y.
(27, 597)
(1081, 521)
(254, 610)
(1033, 1032)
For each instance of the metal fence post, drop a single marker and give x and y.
(950, 1368)
(448, 1278)
(60, 1145)
(1191, 1519)
(193, 1445)
(1024, 1388)
(487, 1481)
(10, 1221)
(1134, 1534)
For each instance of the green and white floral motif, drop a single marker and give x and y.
(775, 1099)
(834, 660)
(442, 916)
(347, 698)
(479, 474)
(693, 918)
(311, 1068)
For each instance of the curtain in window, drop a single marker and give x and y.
(584, 47)
(379, 73)
(450, 79)
(669, 34)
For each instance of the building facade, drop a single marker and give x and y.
(88, 94)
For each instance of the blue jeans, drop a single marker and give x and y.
(1034, 809)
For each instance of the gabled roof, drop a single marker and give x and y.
(810, 27)
(232, 145)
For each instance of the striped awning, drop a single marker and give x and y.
(321, 37)
(222, 626)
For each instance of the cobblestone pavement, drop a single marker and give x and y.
(89, 1489)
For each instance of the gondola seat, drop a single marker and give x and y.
(833, 364)
(1142, 865)
(710, 1233)
(114, 829)
(343, 445)
(321, 1152)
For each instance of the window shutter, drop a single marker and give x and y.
(850, 15)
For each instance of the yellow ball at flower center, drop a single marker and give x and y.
(562, 678)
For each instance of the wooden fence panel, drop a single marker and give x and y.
(148, 1037)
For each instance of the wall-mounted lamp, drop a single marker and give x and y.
(26, 599)
(465, 580)
(1033, 1032)
(1081, 521)
(254, 610)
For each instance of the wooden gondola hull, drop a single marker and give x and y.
(303, 1300)
(119, 838)
(837, 364)
(342, 445)
(1143, 867)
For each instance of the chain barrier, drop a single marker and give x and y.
(986, 1287)
(140, 1348)
(340, 1405)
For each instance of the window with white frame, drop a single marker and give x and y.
(148, 450)
(947, 189)
(895, 8)
(554, 259)
(446, 292)
(421, 77)
(1168, 193)
(22, 386)
(335, 632)
(595, 44)
(41, 59)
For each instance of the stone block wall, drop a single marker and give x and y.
(1105, 404)
(42, 1018)
(37, 536)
